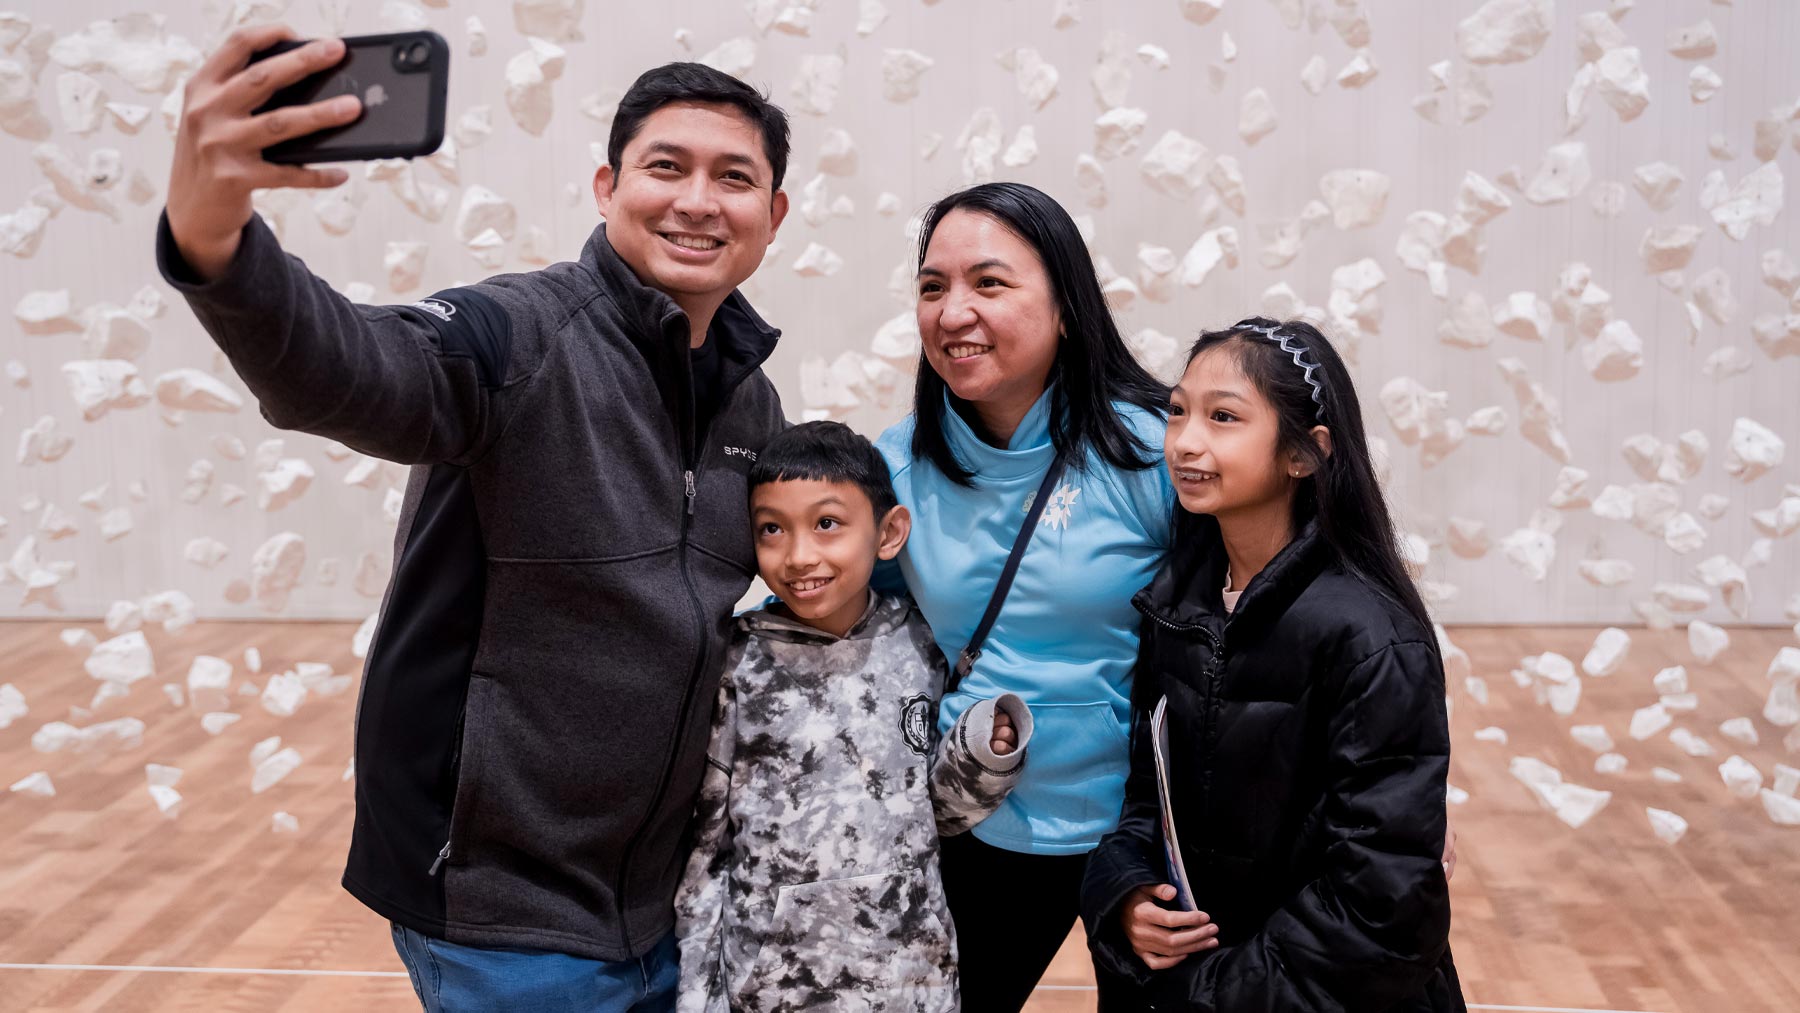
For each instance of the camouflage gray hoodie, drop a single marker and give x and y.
(813, 883)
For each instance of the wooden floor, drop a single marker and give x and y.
(1605, 917)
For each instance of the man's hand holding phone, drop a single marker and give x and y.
(218, 148)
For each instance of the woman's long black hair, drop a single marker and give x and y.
(1093, 368)
(1342, 493)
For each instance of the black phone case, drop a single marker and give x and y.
(405, 122)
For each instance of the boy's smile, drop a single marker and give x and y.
(816, 545)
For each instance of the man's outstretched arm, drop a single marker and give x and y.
(414, 384)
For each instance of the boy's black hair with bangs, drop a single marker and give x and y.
(826, 452)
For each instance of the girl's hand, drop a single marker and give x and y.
(1162, 938)
(1005, 739)
(1449, 851)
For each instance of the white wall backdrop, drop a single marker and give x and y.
(1604, 182)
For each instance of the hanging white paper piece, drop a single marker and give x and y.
(37, 783)
(1726, 576)
(1531, 550)
(1667, 826)
(1706, 641)
(1561, 175)
(900, 73)
(283, 694)
(1741, 777)
(1200, 11)
(1752, 450)
(1572, 803)
(1607, 654)
(1622, 83)
(272, 769)
(1506, 31)
(1703, 84)
(1647, 721)
(1540, 416)
(1357, 197)
(1593, 737)
(1176, 164)
(1755, 200)
(1698, 41)
(135, 47)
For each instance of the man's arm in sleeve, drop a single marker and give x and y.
(414, 384)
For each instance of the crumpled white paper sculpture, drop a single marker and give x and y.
(1572, 803)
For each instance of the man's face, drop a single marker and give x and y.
(691, 209)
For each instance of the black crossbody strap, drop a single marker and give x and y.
(966, 661)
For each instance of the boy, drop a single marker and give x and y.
(814, 879)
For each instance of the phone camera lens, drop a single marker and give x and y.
(412, 56)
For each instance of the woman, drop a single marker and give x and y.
(1021, 362)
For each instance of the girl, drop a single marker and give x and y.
(1307, 742)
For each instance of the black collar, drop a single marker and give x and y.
(1185, 593)
(654, 322)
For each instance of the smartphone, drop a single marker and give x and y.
(402, 79)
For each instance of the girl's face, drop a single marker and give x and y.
(987, 314)
(1223, 442)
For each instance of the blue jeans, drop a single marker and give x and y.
(451, 978)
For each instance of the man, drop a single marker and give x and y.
(533, 721)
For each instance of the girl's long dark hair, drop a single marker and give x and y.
(1093, 368)
(1342, 493)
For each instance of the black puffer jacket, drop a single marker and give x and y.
(1309, 747)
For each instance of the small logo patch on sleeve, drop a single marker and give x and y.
(437, 308)
(469, 324)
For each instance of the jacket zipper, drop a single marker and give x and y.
(441, 855)
(1215, 673)
(689, 493)
(456, 770)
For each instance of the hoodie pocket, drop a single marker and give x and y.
(1074, 780)
(868, 936)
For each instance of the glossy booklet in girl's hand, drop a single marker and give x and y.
(1159, 739)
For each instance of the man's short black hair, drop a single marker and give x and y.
(826, 452)
(696, 82)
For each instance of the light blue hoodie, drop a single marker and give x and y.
(1067, 637)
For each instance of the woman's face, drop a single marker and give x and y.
(988, 316)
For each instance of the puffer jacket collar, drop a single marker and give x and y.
(1185, 593)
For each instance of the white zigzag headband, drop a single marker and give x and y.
(1298, 351)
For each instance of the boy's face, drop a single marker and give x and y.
(816, 545)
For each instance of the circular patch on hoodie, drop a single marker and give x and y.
(915, 723)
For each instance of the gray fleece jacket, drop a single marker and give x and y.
(533, 719)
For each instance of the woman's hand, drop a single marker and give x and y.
(1005, 739)
(1162, 938)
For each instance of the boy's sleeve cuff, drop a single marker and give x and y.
(978, 732)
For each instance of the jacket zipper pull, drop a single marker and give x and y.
(440, 859)
(690, 492)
